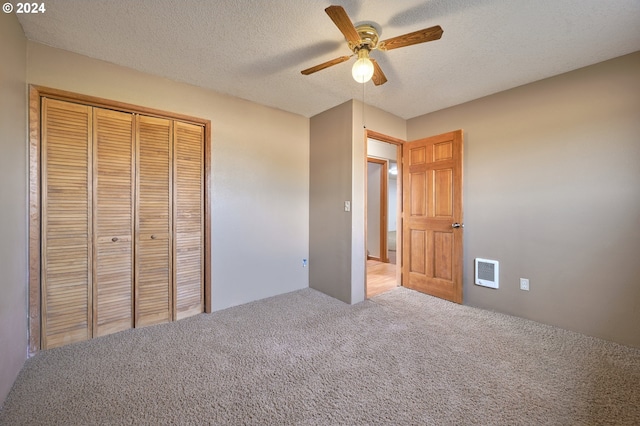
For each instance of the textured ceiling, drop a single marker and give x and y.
(255, 49)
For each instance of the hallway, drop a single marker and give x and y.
(381, 277)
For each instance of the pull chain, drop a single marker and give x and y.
(364, 125)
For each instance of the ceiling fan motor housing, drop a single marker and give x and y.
(368, 38)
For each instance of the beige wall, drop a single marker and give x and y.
(552, 191)
(329, 187)
(13, 202)
(338, 172)
(260, 171)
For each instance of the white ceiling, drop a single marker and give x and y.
(255, 49)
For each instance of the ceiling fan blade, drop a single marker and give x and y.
(343, 22)
(327, 64)
(420, 36)
(378, 76)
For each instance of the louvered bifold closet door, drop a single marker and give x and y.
(113, 221)
(66, 225)
(189, 219)
(153, 228)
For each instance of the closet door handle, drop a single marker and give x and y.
(153, 237)
(114, 239)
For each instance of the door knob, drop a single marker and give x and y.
(153, 237)
(114, 239)
(457, 225)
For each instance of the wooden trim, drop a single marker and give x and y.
(134, 209)
(93, 243)
(366, 203)
(34, 222)
(43, 229)
(207, 217)
(92, 260)
(384, 212)
(384, 194)
(173, 172)
(399, 215)
(172, 225)
(136, 224)
(370, 134)
(35, 94)
(94, 101)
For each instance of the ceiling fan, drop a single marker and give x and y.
(363, 39)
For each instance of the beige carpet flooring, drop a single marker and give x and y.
(305, 358)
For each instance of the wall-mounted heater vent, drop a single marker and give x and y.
(487, 272)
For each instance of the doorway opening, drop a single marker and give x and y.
(383, 213)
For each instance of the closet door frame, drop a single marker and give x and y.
(36, 93)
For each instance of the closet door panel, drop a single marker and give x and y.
(113, 221)
(153, 228)
(66, 225)
(189, 219)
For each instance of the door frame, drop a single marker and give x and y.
(384, 194)
(35, 95)
(371, 134)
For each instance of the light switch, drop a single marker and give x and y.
(347, 206)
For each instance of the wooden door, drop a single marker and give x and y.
(66, 280)
(153, 291)
(188, 162)
(113, 221)
(432, 209)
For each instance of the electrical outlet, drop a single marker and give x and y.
(524, 284)
(347, 206)
(304, 263)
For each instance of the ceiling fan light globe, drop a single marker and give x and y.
(362, 70)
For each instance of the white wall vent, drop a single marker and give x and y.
(487, 272)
